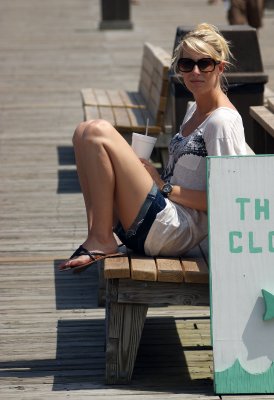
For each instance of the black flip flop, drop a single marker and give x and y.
(94, 257)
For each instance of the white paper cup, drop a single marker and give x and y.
(143, 145)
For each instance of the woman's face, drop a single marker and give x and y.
(199, 82)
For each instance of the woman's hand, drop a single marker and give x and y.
(196, 199)
(152, 172)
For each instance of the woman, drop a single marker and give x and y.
(153, 214)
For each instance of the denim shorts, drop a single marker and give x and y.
(134, 238)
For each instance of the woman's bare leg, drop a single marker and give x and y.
(111, 176)
(81, 169)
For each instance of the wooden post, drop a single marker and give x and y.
(115, 14)
(124, 326)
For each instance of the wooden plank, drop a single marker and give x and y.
(143, 115)
(195, 271)
(143, 268)
(264, 117)
(124, 328)
(88, 97)
(91, 112)
(139, 100)
(136, 117)
(163, 65)
(169, 270)
(117, 267)
(154, 100)
(101, 97)
(111, 97)
(107, 113)
(122, 119)
(95, 96)
(115, 97)
(145, 85)
(148, 58)
(149, 292)
(157, 82)
(132, 100)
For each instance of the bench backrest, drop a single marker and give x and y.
(153, 84)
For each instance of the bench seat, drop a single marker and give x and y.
(129, 111)
(158, 269)
(129, 117)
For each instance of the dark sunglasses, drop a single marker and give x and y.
(204, 64)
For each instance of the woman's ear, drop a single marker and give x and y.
(221, 67)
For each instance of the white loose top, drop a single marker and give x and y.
(177, 229)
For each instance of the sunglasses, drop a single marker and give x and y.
(204, 64)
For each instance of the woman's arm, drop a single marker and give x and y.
(196, 199)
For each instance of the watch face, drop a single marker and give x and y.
(167, 188)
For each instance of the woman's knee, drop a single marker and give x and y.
(79, 130)
(97, 129)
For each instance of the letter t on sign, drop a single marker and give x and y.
(242, 201)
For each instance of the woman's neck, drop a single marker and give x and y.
(209, 103)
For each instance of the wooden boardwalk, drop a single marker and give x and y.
(51, 330)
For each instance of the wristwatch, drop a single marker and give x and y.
(166, 189)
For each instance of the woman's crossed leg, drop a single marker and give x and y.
(114, 184)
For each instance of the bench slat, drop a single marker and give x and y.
(115, 98)
(107, 114)
(154, 102)
(121, 117)
(88, 97)
(117, 267)
(145, 87)
(91, 112)
(132, 99)
(143, 268)
(139, 117)
(138, 98)
(101, 97)
(136, 117)
(195, 271)
(169, 270)
(111, 97)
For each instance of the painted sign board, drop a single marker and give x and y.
(241, 244)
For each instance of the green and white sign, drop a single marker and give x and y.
(241, 239)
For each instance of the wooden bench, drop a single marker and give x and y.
(134, 283)
(263, 120)
(128, 111)
(129, 285)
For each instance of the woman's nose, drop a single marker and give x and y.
(196, 69)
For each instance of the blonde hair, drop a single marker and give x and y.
(207, 40)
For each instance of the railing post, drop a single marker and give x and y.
(115, 14)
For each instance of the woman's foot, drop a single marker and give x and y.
(82, 258)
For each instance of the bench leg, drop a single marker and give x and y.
(101, 285)
(124, 326)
